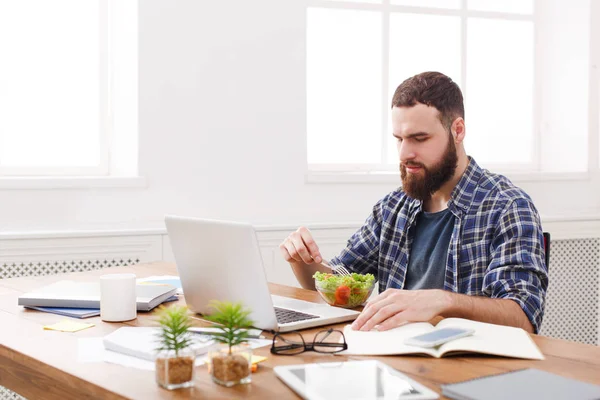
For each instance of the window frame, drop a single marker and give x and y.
(381, 173)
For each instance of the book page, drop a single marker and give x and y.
(490, 339)
(387, 342)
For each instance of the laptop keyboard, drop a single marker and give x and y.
(285, 316)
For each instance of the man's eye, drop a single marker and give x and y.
(420, 139)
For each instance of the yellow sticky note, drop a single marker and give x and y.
(257, 359)
(68, 326)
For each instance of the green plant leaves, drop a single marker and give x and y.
(174, 323)
(232, 319)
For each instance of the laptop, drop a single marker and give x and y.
(220, 260)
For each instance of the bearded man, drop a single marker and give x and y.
(454, 241)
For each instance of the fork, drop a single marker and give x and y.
(339, 269)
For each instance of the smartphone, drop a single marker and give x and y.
(438, 337)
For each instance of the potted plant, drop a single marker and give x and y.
(175, 358)
(231, 363)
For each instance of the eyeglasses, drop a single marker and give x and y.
(290, 343)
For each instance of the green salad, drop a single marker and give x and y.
(344, 290)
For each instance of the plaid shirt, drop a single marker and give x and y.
(496, 249)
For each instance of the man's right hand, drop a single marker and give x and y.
(301, 251)
(300, 246)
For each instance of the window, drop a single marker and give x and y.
(523, 67)
(68, 87)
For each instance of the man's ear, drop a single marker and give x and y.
(458, 130)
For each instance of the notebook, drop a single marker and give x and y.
(490, 339)
(162, 280)
(522, 384)
(79, 312)
(71, 294)
(69, 312)
(141, 342)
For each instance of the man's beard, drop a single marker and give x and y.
(422, 187)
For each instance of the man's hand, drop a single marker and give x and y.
(396, 307)
(300, 246)
(301, 251)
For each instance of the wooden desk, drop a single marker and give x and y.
(43, 364)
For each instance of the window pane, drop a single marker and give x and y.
(453, 4)
(499, 98)
(435, 48)
(343, 86)
(124, 90)
(49, 87)
(508, 6)
(564, 40)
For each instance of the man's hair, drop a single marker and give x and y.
(433, 89)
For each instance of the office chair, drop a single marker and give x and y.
(547, 248)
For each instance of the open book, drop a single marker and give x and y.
(491, 339)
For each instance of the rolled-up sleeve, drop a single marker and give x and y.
(518, 271)
(362, 250)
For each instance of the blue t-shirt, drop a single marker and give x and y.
(427, 261)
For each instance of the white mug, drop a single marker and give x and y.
(117, 297)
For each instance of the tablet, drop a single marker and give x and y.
(368, 379)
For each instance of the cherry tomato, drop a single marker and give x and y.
(342, 295)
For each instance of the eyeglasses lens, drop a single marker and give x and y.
(329, 341)
(288, 343)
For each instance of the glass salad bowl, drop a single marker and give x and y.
(346, 291)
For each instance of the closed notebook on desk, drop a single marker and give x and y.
(490, 339)
(523, 384)
(142, 342)
(87, 295)
(68, 312)
(78, 312)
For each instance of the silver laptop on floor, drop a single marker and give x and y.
(219, 260)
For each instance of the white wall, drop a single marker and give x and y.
(222, 131)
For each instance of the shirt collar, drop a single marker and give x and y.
(462, 195)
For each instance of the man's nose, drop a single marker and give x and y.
(406, 152)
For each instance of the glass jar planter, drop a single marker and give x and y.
(229, 369)
(174, 371)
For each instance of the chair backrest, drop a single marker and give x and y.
(547, 249)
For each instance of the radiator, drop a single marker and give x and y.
(50, 267)
(572, 302)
